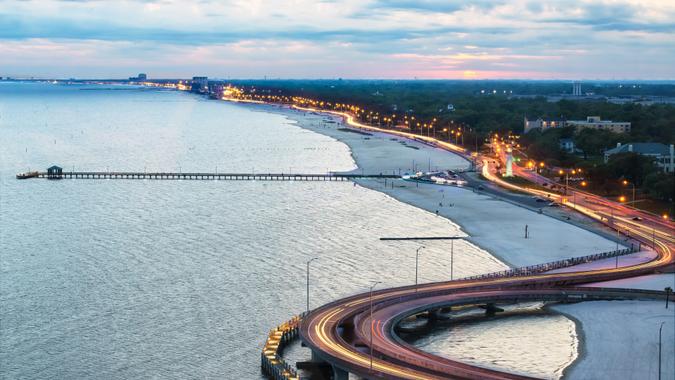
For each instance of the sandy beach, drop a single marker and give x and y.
(497, 225)
(490, 223)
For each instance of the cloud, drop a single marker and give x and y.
(348, 38)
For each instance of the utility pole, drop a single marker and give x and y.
(668, 291)
(526, 231)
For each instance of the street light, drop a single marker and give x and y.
(309, 261)
(668, 290)
(625, 183)
(417, 258)
(452, 255)
(372, 324)
(660, 328)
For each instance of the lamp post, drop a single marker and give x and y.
(625, 183)
(668, 291)
(372, 324)
(417, 259)
(309, 261)
(660, 328)
(567, 178)
(452, 255)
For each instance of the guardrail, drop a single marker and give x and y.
(540, 268)
(271, 362)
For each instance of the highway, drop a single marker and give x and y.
(341, 332)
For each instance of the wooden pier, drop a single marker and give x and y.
(210, 176)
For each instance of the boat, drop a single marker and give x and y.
(27, 175)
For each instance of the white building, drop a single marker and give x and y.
(664, 155)
(594, 122)
(543, 124)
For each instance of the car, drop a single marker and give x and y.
(541, 200)
(637, 218)
(480, 187)
(553, 204)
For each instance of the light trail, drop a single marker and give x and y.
(320, 328)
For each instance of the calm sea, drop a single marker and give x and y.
(184, 279)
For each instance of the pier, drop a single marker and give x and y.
(205, 176)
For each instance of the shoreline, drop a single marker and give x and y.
(579, 353)
(420, 195)
(580, 335)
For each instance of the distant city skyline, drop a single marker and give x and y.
(397, 39)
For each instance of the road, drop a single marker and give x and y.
(341, 331)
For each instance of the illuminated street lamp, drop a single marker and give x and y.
(622, 199)
(625, 183)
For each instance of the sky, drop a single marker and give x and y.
(397, 39)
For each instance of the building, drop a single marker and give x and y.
(200, 84)
(54, 172)
(216, 91)
(543, 124)
(576, 89)
(140, 78)
(567, 145)
(664, 155)
(594, 122)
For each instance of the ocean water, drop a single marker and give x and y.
(180, 279)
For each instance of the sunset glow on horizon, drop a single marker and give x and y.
(485, 39)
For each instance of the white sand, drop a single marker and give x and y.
(620, 339)
(619, 336)
(493, 225)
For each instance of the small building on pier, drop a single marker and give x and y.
(54, 172)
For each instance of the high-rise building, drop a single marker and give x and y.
(140, 78)
(576, 89)
(200, 84)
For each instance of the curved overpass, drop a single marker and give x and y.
(340, 332)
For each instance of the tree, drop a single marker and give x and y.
(631, 166)
(594, 142)
(660, 186)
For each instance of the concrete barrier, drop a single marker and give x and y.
(271, 362)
